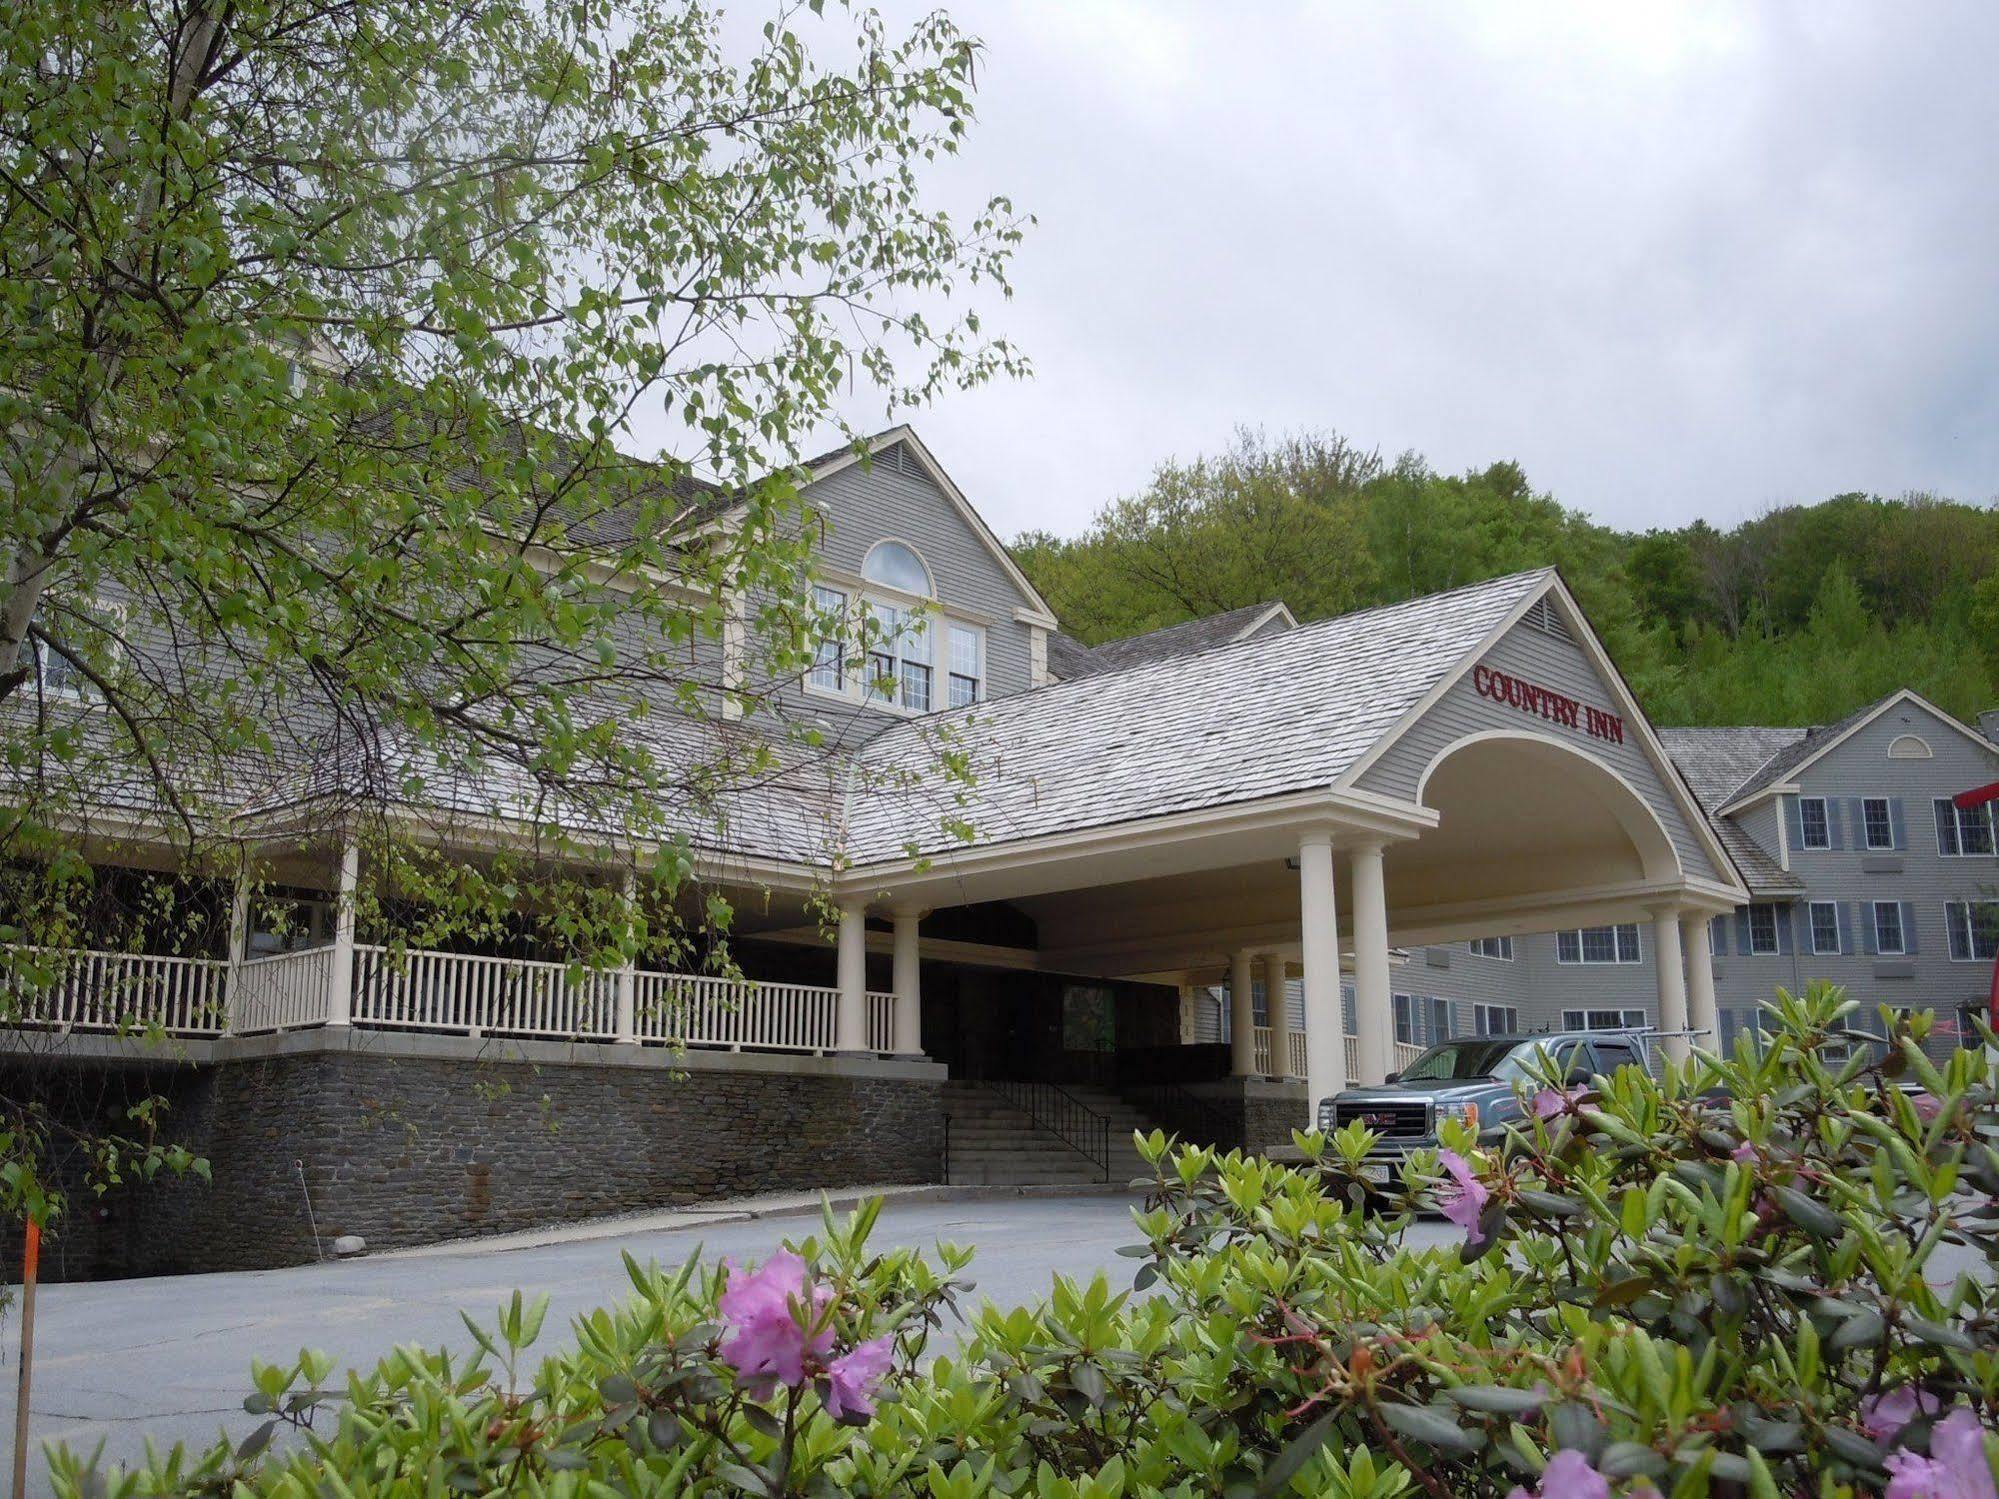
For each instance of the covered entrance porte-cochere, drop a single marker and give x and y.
(1509, 832)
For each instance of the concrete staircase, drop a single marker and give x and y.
(995, 1143)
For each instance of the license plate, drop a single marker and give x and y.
(1375, 1171)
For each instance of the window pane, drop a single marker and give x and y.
(968, 652)
(896, 565)
(916, 686)
(1887, 926)
(964, 691)
(1880, 832)
(1627, 944)
(1946, 826)
(1825, 927)
(1811, 815)
(828, 669)
(1599, 945)
(1974, 829)
(1762, 929)
(1569, 947)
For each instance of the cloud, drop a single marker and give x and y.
(1677, 260)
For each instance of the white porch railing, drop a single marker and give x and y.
(1406, 1052)
(1294, 1053)
(281, 992)
(696, 1010)
(481, 996)
(109, 991)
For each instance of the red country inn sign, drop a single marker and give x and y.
(1559, 707)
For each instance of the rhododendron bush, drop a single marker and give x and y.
(1766, 1275)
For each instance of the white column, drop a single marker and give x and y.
(340, 982)
(908, 983)
(850, 1018)
(1325, 1039)
(1242, 1016)
(1374, 1015)
(1278, 1009)
(1702, 1012)
(624, 1025)
(1672, 979)
(239, 939)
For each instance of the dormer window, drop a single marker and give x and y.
(896, 564)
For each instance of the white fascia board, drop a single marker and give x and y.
(1893, 700)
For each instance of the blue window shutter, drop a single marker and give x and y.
(1835, 823)
(1742, 930)
(1843, 912)
(1718, 936)
(1786, 936)
(1864, 914)
(1946, 825)
(1859, 808)
(1729, 1025)
(1909, 927)
(1794, 822)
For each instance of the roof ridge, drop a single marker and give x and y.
(894, 731)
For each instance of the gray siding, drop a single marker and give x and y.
(1914, 874)
(1530, 652)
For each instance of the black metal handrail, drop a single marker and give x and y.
(1064, 1116)
(1196, 1120)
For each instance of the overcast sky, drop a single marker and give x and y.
(1678, 260)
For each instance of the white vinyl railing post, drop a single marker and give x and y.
(624, 1026)
(239, 942)
(340, 981)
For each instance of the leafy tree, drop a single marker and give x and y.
(323, 323)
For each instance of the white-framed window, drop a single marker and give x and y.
(896, 564)
(1825, 928)
(1604, 1020)
(967, 665)
(57, 674)
(1405, 1019)
(1762, 930)
(1889, 939)
(887, 645)
(1814, 827)
(1963, 832)
(1599, 944)
(1495, 1020)
(1493, 947)
(829, 662)
(1877, 824)
(1974, 930)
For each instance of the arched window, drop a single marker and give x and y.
(1909, 747)
(898, 566)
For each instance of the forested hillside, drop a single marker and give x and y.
(1793, 617)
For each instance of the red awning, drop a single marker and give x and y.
(1977, 797)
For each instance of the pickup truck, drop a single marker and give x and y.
(1481, 1078)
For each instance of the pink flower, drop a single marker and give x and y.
(853, 1377)
(1567, 1476)
(1955, 1469)
(1882, 1416)
(1927, 1106)
(774, 1321)
(1552, 1101)
(1466, 1205)
(1743, 1152)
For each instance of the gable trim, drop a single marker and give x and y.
(1899, 696)
(1038, 612)
(1278, 610)
(1607, 673)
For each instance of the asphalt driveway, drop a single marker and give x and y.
(169, 1358)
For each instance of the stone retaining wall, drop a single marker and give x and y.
(410, 1140)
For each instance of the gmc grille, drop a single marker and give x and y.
(1390, 1120)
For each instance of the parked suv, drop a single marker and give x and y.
(1474, 1077)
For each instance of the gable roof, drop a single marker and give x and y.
(1071, 658)
(1238, 722)
(1715, 762)
(1821, 739)
(827, 464)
